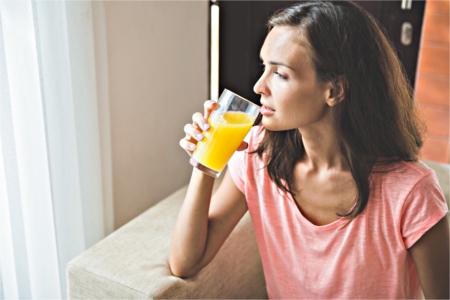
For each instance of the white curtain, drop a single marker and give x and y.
(55, 169)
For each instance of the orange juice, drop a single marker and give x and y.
(227, 132)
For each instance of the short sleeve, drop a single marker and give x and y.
(236, 168)
(424, 206)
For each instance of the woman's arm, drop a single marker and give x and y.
(431, 257)
(203, 224)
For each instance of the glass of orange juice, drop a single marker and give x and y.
(229, 123)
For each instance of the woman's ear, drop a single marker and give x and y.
(338, 90)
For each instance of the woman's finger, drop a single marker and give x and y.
(200, 122)
(193, 132)
(187, 145)
(209, 106)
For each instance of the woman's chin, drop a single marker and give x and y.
(271, 125)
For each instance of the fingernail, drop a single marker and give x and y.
(199, 137)
(206, 126)
(192, 147)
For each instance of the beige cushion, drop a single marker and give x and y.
(443, 174)
(132, 263)
(442, 171)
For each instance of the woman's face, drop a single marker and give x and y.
(291, 95)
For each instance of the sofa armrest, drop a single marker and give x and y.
(442, 171)
(132, 262)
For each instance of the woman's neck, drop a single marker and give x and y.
(322, 149)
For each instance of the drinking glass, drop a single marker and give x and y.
(229, 123)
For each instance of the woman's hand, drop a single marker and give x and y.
(194, 131)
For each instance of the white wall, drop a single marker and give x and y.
(158, 76)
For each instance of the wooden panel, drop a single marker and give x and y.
(434, 60)
(436, 28)
(392, 18)
(441, 6)
(436, 149)
(437, 119)
(432, 90)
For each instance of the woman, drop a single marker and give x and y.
(340, 204)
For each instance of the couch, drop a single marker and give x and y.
(131, 263)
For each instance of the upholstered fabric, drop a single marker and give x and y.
(131, 263)
(443, 174)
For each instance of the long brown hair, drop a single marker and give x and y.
(377, 122)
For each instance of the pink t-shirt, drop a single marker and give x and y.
(366, 259)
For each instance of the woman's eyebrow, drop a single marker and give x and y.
(276, 63)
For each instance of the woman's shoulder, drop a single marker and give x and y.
(407, 186)
(414, 169)
(403, 179)
(403, 175)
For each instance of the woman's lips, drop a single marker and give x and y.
(267, 111)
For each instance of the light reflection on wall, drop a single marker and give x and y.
(214, 76)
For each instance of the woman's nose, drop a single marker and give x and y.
(260, 86)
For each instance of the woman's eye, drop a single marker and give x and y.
(279, 75)
(273, 71)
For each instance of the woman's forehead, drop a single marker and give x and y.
(285, 43)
